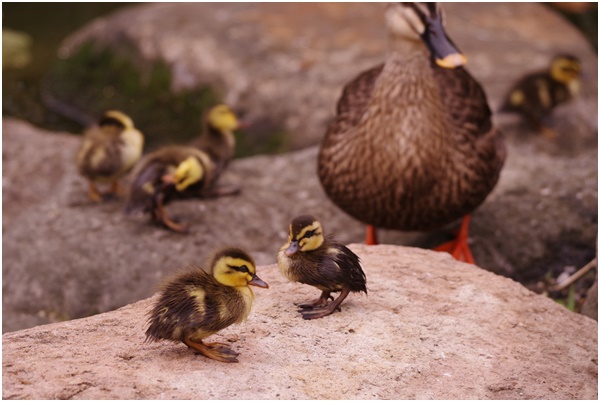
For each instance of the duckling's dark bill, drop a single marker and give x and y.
(292, 248)
(256, 281)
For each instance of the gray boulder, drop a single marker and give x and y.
(430, 328)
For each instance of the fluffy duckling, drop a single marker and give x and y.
(172, 172)
(108, 151)
(218, 140)
(311, 258)
(196, 304)
(537, 94)
(412, 146)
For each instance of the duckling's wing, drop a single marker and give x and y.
(146, 183)
(353, 275)
(356, 94)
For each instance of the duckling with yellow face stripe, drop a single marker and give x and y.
(311, 258)
(196, 304)
(172, 172)
(537, 94)
(108, 151)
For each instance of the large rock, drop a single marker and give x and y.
(286, 63)
(430, 328)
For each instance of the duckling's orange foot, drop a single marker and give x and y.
(93, 193)
(174, 226)
(216, 351)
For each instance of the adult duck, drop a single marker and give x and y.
(412, 146)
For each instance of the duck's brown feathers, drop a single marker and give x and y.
(412, 146)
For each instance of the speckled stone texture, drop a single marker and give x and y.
(430, 328)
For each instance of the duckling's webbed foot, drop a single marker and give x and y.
(320, 302)
(312, 314)
(93, 193)
(216, 351)
(160, 215)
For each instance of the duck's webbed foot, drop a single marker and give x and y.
(216, 351)
(320, 302)
(314, 313)
(459, 248)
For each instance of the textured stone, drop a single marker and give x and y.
(430, 328)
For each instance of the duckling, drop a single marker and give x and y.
(537, 94)
(171, 172)
(108, 151)
(412, 146)
(311, 258)
(218, 140)
(196, 304)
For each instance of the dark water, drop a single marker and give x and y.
(47, 24)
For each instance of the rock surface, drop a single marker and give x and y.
(285, 64)
(430, 328)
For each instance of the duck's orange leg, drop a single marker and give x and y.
(459, 248)
(371, 238)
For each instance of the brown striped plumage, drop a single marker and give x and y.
(317, 260)
(537, 94)
(195, 304)
(218, 140)
(150, 190)
(109, 150)
(412, 146)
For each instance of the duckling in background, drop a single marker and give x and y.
(218, 140)
(311, 258)
(108, 151)
(177, 172)
(537, 94)
(412, 146)
(196, 304)
(172, 172)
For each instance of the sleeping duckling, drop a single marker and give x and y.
(108, 151)
(172, 172)
(309, 257)
(537, 94)
(196, 304)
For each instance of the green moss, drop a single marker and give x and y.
(96, 79)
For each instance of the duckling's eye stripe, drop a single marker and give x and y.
(243, 268)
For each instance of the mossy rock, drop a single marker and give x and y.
(95, 79)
